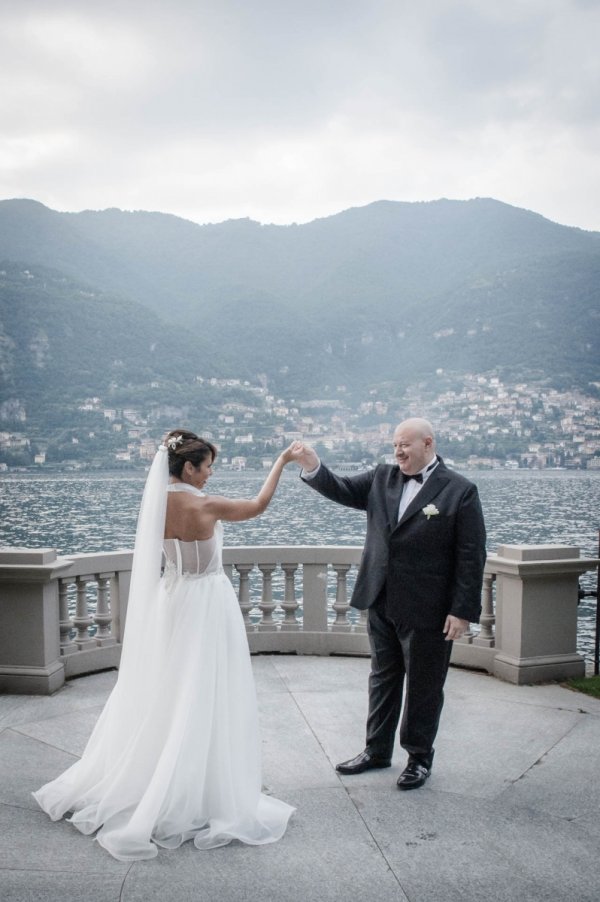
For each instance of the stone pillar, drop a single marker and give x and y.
(536, 613)
(30, 621)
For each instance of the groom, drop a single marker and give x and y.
(420, 579)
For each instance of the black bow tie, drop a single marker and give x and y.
(418, 477)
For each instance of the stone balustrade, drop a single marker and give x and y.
(295, 599)
(60, 617)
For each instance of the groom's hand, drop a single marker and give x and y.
(307, 458)
(455, 628)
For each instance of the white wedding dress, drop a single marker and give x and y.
(175, 754)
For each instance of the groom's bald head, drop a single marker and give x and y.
(414, 444)
(419, 426)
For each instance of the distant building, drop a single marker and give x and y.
(147, 449)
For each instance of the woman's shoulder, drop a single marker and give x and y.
(209, 502)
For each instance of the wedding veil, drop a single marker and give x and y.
(146, 569)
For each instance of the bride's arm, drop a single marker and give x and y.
(244, 509)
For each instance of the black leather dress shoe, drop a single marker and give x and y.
(362, 762)
(413, 775)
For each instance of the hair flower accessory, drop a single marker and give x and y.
(430, 511)
(174, 441)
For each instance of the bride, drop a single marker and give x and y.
(175, 754)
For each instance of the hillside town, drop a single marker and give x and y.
(481, 422)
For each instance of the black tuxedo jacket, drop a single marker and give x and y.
(429, 566)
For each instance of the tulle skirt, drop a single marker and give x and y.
(175, 754)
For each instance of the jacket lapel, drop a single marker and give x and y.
(393, 494)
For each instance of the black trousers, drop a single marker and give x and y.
(411, 658)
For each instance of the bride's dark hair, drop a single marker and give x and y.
(183, 445)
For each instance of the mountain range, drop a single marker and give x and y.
(97, 301)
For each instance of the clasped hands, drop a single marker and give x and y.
(301, 454)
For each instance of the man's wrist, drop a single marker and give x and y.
(310, 474)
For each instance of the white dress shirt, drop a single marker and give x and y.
(412, 487)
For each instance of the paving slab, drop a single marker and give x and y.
(553, 695)
(10, 705)
(482, 748)
(266, 676)
(304, 673)
(84, 692)
(566, 781)
(292, 755)
(325, 856)
(445, 847)
(29, 840)
(25, 765)
(39, 886)
(67, 732)
(338, 718)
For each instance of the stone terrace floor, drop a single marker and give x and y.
(511, 811)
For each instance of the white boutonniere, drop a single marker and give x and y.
(430, 511)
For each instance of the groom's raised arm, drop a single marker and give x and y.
(351, 491)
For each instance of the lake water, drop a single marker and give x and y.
(77, 512)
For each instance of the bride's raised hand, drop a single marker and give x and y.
(303, 455)
(292, 453)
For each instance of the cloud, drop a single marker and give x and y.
(284, 111)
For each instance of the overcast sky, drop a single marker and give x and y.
(288, 110)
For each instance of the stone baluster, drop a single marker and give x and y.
(487, 620)
(82, 620)
(119, 594)
(290, 604)
(67, 645)
(467, 637)
(340, 605)
(314, 597)
(266, 604)
(244, 591)
(103, 618)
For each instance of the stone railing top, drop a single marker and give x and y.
(38, 565)
(26, 556)
(99, 562)
(516, 559)
(44, 563)
(292, 554)
(538, 552)
(539, 560)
